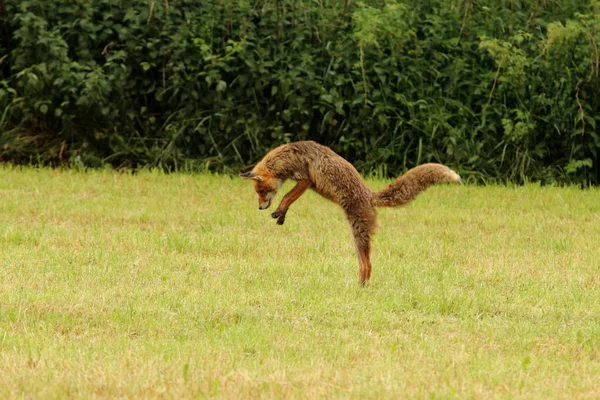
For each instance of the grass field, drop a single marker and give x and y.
(157, 286)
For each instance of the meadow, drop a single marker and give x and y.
(176, 286)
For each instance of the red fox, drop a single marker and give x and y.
(317, 167)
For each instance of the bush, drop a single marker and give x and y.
(500, 90)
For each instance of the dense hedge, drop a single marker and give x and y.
(500, 89)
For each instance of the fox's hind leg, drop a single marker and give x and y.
(363, 221)
(363, 251)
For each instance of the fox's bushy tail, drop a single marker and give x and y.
(405, 188)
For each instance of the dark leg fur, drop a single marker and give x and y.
(280, 216)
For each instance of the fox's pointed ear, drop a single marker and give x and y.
(251, 175)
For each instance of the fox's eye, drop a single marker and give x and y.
(261, 192)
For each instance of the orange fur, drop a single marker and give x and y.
(319, 168)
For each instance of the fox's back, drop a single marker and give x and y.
(332, 176)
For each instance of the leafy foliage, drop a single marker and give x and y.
(501, 90)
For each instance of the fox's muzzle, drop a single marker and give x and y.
(266, 203)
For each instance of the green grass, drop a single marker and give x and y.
(157, 286)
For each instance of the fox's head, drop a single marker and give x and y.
(265, 184)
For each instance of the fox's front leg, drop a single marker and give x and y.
(290, 198)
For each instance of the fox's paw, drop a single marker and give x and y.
(279, 216)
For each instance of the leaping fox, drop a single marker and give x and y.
(319, 168)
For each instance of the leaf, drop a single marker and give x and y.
(327, 98)
(575, 165)
(339, 107)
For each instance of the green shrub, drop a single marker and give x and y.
(500, 90)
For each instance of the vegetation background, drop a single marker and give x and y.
(501, 90)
